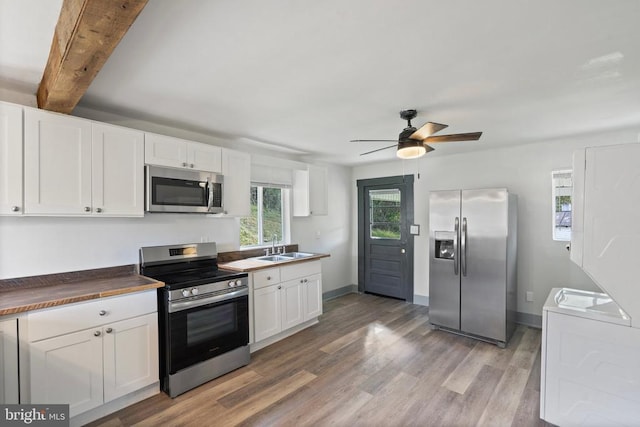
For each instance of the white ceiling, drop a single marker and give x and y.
(311, 75)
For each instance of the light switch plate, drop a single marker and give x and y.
(414, 229)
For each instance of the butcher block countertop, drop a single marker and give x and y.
(36, 292)
(253, 264)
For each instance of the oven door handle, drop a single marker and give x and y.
(184, 305)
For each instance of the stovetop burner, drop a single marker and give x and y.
(182, 266)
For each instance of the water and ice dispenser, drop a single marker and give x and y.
(444, 242)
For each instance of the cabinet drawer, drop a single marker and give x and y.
(74, 317)
(299, 270)
(262, 278)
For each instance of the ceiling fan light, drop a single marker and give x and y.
(410, 150)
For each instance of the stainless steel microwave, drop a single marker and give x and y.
(182, 191)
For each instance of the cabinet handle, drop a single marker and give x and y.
(184, 164)
(96, 334)
(98, 210)
(191, 165)
(268, 277)
(109, 330)
(102, 312)
(15, 208)
(306, 280)
(279, 287)
(301, 281)
(87, 209)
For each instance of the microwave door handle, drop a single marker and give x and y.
(209, 195)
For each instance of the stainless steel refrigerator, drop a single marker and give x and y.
(472, 269)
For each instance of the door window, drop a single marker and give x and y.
(385, 214)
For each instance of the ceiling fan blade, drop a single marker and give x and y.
(472, 136)
(427, 129)
(374, 140)
(379, 149)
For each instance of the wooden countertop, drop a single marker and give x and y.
(253, 264)
(36, 292)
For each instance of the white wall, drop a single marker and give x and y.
(44, 245)
(526, 171)
(330, 234)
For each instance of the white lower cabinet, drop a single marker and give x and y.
(116, 352)
(286, 297)
(8, 361)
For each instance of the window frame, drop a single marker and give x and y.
(285, 239)
(555, 176)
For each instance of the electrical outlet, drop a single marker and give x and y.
(529, 296)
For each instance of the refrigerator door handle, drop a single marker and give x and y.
(463, 247)
(455, 246)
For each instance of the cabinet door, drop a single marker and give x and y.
(312, 296)
(57, 159)
(300, 193)
(68, 369)
(266, 312)
(236, 169)
(117, 171)
(130, 355)
(10, 160)
(8, 361)
(292, 308)
(204, 157)
(165, 151)
(318, 190)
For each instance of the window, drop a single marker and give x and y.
(384, 215)
(561, 193)
(269, 217)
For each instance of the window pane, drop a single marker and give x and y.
(249, 225)
(271, 214)
(384, 214)
(562, 186)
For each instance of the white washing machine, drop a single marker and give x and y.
(590, 361)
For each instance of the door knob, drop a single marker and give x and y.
(402, 251)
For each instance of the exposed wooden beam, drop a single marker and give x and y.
(86, 34)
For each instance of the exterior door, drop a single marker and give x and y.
(385, 246)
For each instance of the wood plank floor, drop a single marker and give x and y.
(371, 361)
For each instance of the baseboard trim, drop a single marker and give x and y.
(421, 300)
(335, 293)
(528, 319)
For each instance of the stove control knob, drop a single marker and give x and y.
(231, 284)
(238, 282)
(194, 291)
(186, 293)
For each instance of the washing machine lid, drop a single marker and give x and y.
(592, 305)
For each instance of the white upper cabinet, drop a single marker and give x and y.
(10, 159)
(310, 191)
(117, 159)
(605, 229)
(57, 158)
(76, 167)
(163, 150)
(236, 169)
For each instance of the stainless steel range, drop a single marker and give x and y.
(203, 314)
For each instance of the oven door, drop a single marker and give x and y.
(205, 331)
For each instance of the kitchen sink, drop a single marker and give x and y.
(295, 255)
(274, 258)
(287, 256)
